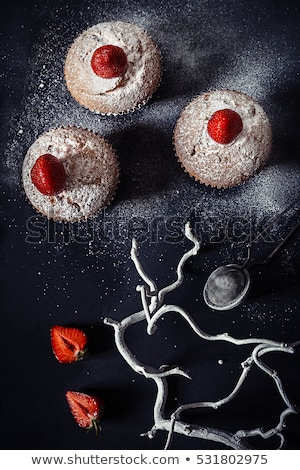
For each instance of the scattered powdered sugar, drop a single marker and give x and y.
(202, 54)
(82, 272)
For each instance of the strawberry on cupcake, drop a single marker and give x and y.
(222, 138)
(69, 174)
(112, 68)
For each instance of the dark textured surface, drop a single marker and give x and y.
(77, 275)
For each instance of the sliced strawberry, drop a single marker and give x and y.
(48, 175)
(87, 410)
(109, 61)
(224, 126)
(68, 344)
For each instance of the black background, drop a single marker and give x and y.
(77, 275)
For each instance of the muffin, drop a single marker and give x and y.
(222, 138)
(112, 68)
(69, 174)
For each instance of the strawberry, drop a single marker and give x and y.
(224, 126)
(87, 410)
(109, 61)
(68, 344)
(48, 175)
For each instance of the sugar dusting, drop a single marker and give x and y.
(114, 95)
(92, 173)
(233, 163)
(153, 185)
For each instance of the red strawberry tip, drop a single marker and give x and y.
(224, 126)
(109, 61)
(48, 175)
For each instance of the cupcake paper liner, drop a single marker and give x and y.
(80, 217)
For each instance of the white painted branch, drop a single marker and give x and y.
(152, 312)
(185, 257)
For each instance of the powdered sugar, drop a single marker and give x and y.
(204, 53)
(79, 273)
(217, 164)
(91, 169)
(116, 95)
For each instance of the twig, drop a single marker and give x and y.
(151, 312)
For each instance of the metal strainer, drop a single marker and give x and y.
(228, 286)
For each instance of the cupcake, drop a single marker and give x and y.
(222, 138)
(112, 68)
(69, 174)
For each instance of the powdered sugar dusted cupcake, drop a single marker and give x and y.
(222, 138)
(69, 174)
(112, 68)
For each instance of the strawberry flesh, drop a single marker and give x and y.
(224, 126)
(109, 61)
(48, 175)
(86, 409)
(68, 343)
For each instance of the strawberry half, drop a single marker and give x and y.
(87, 410)
(224, 126)
(68, 344)
(109, 61)
(48, 175)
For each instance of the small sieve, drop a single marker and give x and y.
(228, 286)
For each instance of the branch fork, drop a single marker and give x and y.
(153, 307)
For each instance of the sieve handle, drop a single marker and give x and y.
(249, 262)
